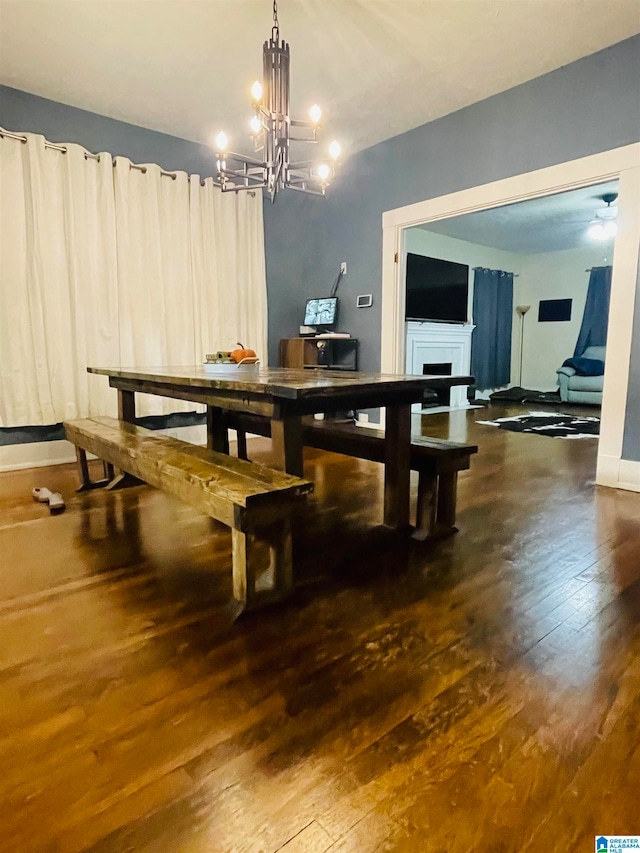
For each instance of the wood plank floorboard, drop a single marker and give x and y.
(477, 693)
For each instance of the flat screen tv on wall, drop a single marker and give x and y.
(436, 290)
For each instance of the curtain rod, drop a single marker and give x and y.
(514, 274)
(87, 154)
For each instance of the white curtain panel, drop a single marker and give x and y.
(227, 246)
(155, 286)
(58, 295)
(104, 266)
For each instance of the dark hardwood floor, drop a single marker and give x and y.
(481, 693)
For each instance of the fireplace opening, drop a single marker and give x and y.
(441, 397)
(439, 368)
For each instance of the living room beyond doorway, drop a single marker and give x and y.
(518, 296)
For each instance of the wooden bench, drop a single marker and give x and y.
(254, 501)
(436, 460)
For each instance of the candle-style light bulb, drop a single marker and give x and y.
(256, 124)
(316, 113)
(256, 91)
(323, 171)
(335, 149)
(222, 141)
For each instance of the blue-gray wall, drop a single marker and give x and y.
(27, 113)
(589, 106)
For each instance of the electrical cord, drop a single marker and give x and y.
(334, 289)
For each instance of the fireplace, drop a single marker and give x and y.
(440, 349)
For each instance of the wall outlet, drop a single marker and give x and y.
(343, 267)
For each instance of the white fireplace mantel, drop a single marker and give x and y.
(440, 343)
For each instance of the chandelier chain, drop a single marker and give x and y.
(276, 25)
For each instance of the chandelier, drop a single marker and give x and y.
(273, 132)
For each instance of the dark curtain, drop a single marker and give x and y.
(593, 332)
(493, 317)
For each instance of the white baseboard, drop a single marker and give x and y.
(364, 422)
(38, 454)
(629, 477)
(618, 473)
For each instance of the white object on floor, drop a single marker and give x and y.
(56, 502)
(41, 494)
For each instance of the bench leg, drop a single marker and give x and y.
(242, 443)
(262, 564)
(111, 481)
(86, 483)
(436, 510)
(426, 508)
(123, 480)
(446, 510)
(83, 469)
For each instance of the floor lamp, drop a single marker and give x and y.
(522, 310)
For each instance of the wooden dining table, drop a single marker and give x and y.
(284, 396)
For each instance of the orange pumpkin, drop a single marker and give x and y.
(240, 353)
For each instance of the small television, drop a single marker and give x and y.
(321, 313)
(437, 290)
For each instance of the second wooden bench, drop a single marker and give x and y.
(436, 460)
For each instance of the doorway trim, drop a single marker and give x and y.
(618, 163)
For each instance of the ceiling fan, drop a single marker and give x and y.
(604, 226)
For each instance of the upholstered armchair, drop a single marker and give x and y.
(576, 388)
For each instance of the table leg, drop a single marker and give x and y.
(286, 439)
(397, 459)
(217, 433)
(444, 396)
(127, 406)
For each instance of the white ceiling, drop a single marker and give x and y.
(549, 224)
(378, 67)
